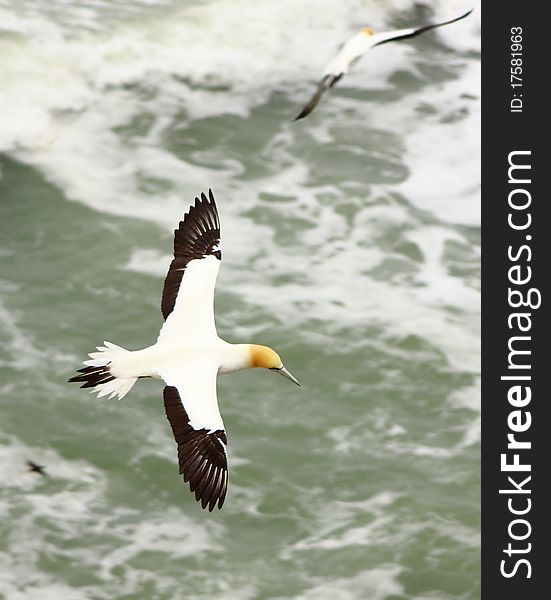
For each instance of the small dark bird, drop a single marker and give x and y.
(34, 468)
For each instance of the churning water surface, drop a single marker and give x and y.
(351, 245)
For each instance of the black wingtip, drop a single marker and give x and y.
(326, 82)
(304, 112)
(203, 198)
(435, 25)
(463, 15)
(424, 29)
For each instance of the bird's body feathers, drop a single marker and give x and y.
(188, 356)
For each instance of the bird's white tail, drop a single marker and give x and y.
(105, 372)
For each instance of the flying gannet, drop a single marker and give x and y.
(354, 49)
(188, 356)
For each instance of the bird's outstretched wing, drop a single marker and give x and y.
(403, 34)
(326, 82)
(188, 293)
(192, 410)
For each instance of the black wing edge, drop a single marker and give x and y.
(425, 28)
(201, 453)
(327, 82)
(198, 235)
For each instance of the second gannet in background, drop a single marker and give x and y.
(354, 49)
(188, 356)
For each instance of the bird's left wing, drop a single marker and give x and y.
(326, 82)
(402, 34)
(188, 294)
(192, 411)
(354, 48)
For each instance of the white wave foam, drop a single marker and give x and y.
(381, 435)
(227, 57)
(469, 397)
(376, 584)
(251, 47)
(433, 304)
(53, 514)
(19, 349)
(375, 524)
(71, 97)
(335, 528)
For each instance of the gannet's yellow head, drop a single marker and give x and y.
(368, 31)
(266, 358)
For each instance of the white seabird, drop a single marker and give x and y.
(188, 356)
(354, 49)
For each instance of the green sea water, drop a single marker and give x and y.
(351, 246)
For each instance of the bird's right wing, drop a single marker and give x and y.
(402, 34)
(192, 411)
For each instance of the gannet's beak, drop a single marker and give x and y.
(283, 371)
